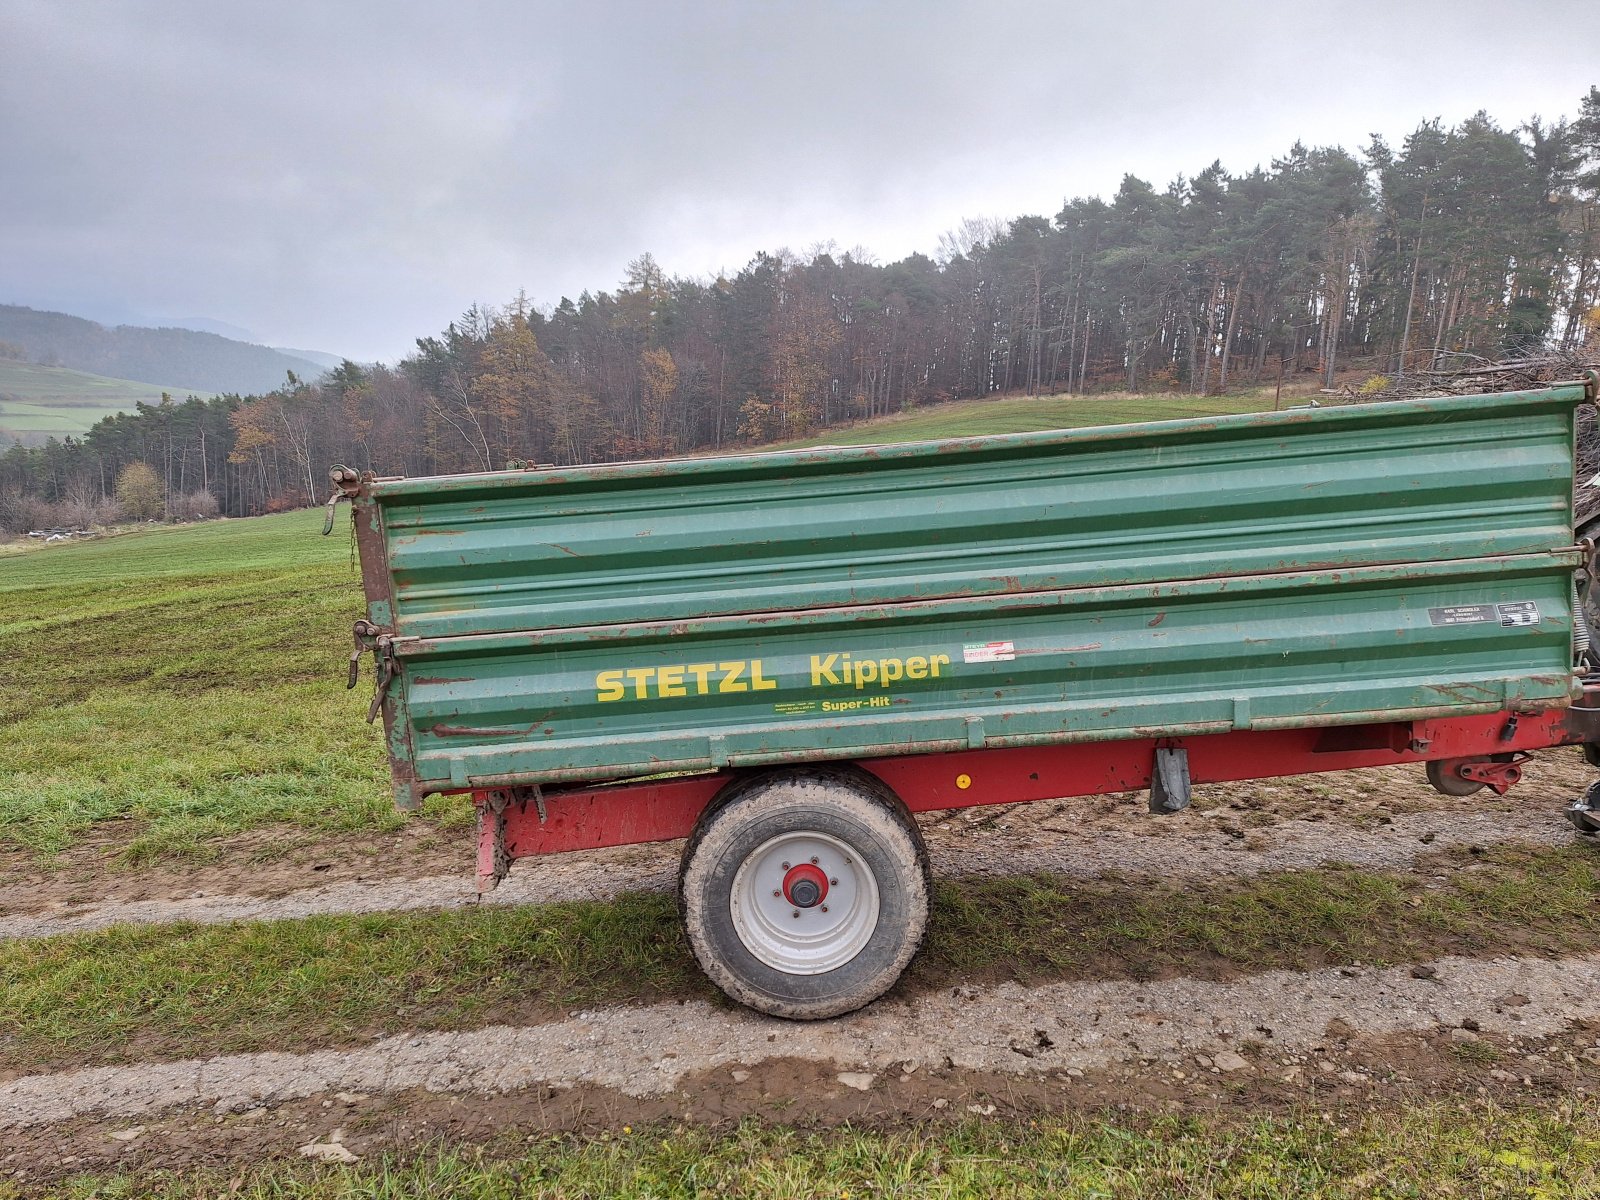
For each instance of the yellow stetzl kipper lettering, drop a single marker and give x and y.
(678, 681)
(682, 680)
(841, 670)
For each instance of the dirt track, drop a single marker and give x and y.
(1007, 1029)
(1192, 853)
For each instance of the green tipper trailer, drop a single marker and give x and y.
(782, 656)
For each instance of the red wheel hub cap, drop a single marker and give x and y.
(805, 886)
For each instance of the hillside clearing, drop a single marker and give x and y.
(37, 402)
(1022, 414)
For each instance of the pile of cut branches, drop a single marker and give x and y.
(1456, 374)
(1452, 373)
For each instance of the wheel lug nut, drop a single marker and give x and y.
(797, 912)
(833, 883)
(777, 891)
(785, 866)
(813, 859)
(824, 908)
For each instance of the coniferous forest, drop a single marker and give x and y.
(1474, 240)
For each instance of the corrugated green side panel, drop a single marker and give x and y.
(1420, 481)
(1298, 649)
(1315, 567)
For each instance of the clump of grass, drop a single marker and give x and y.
(165, 991)
(1476, 1053)
(1047, 926)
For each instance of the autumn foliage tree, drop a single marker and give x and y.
(658, 385)
(139, 493)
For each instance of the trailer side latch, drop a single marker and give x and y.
(346, 483)
(1170, 786)
(385, 649)
(363, 632)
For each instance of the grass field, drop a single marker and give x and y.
(189, 679)
(1020, 414)
(1429, 1150)
(39, 402)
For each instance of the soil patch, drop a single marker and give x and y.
(264, 862)
(1345, 1075)
(1011, 1030)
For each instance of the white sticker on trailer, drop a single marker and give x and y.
(1518, 614)
(984, 652)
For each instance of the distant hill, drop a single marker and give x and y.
(37, 402)
(326, 361)
(169, 358)
(199, 324)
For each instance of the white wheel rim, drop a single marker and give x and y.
(821, 938)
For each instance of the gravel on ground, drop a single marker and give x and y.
(1008, 1028)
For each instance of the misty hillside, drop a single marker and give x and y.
(181, 358)
(322, 359)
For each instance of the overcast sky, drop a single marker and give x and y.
(349, 176)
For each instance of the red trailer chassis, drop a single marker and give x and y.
(1470, 752)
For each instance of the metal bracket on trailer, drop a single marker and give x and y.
(367, 637)
(492, 822)
(346, 484)
(384, 648)
(1170, 785)
(494, 844)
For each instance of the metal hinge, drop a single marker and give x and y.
(346, 484)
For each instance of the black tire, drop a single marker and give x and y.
(854, 819)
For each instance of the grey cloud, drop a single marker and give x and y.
(350, 176)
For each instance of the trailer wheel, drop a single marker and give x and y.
(805, 893)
